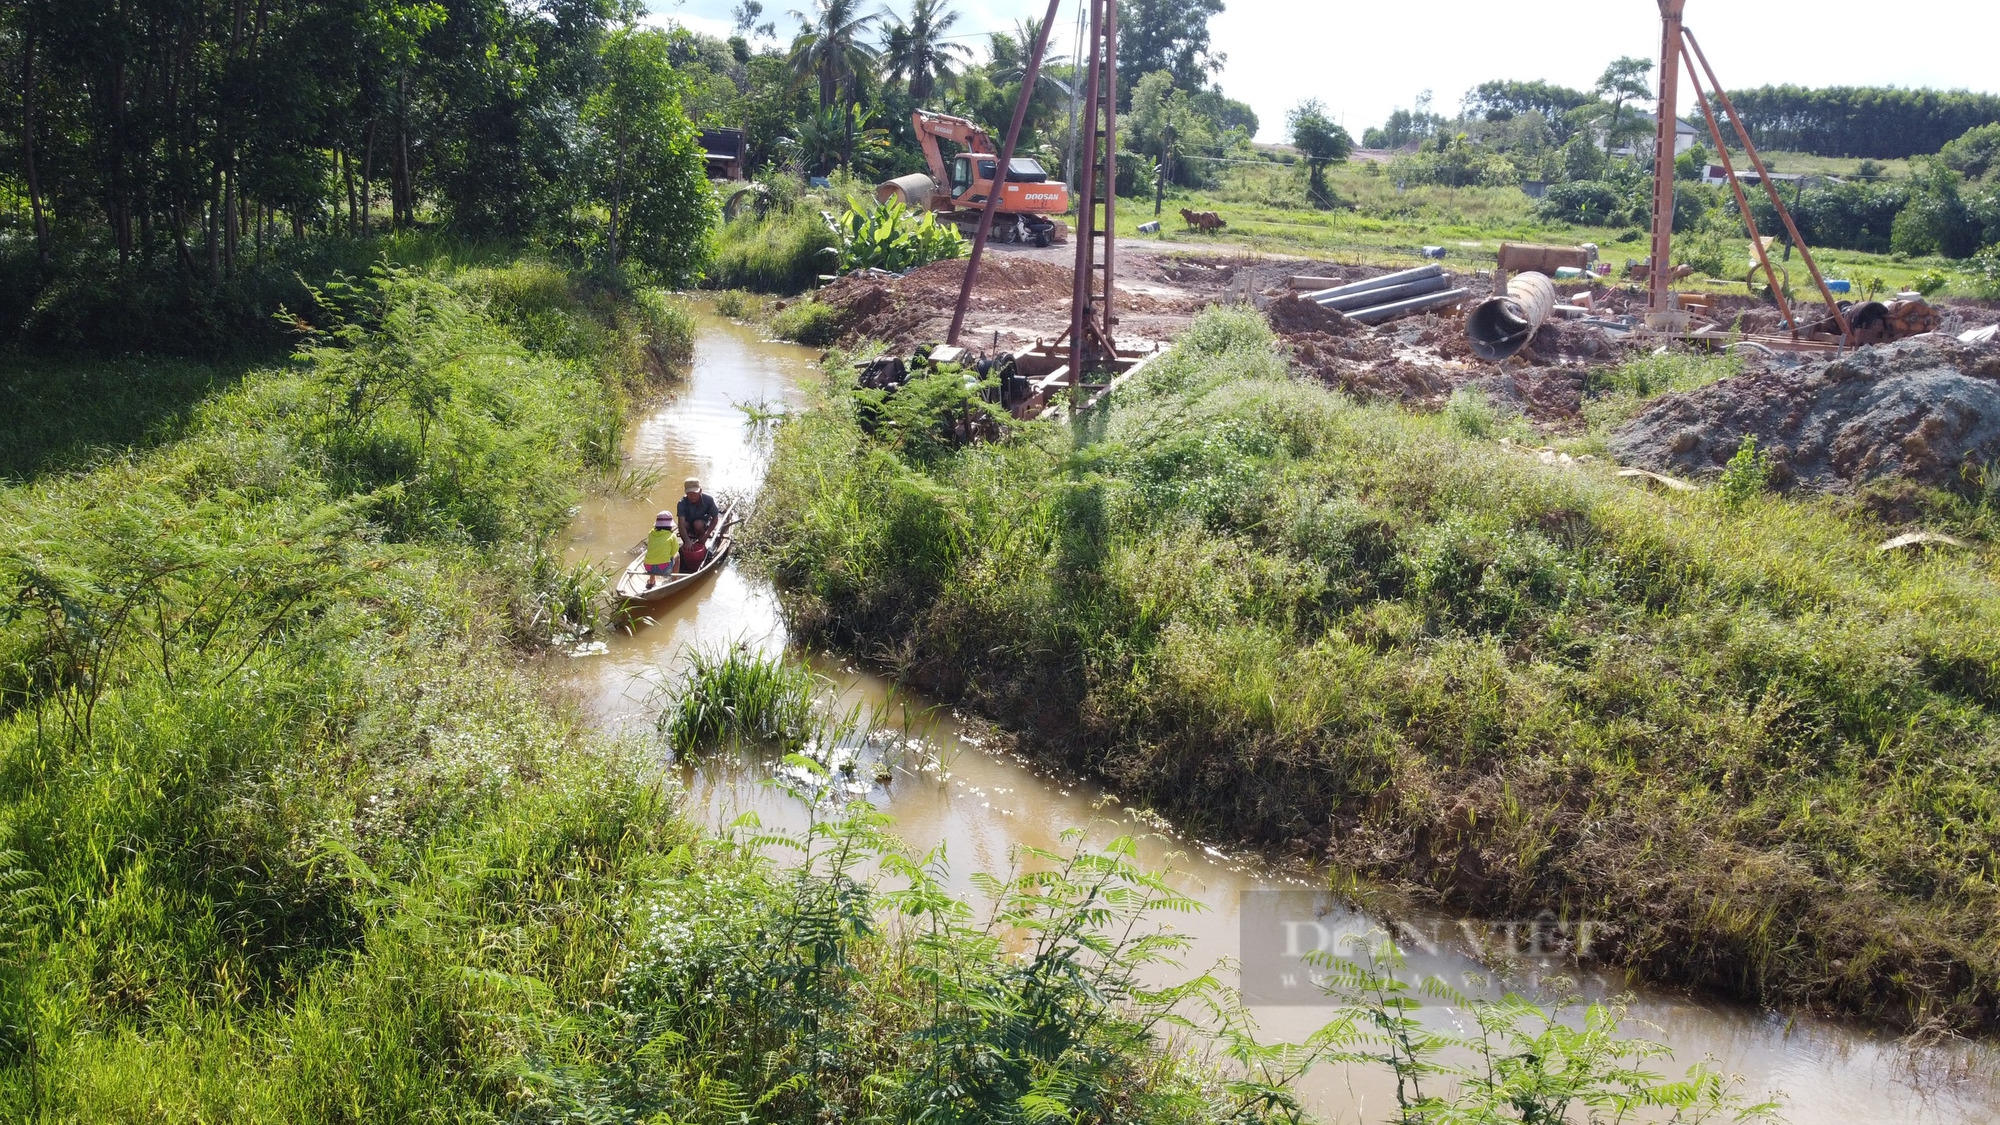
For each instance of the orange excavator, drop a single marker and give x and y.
(1027, 200)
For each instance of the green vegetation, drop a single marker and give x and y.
(1268, 209)
(890, 237)
(1883, 122)
(1759, 753)
(288, 832)
(272, 778)
(782, 252)
(58, 413)
(168, 176)
(807, 322)
(737, 696)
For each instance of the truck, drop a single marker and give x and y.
(1029, 196)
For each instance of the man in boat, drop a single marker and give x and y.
(697, 512)
(663, 549)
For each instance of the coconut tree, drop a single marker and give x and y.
(918, 52)
(829, 48)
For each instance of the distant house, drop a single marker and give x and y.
(726, 150)
(1686, 137)
(1717, 175)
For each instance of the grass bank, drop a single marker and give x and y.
(290, 831)
(1759, 756)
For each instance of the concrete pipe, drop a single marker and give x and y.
(1382, 296)
(913, 190)
(1499, 327)
(1408, 307)
(1386, 281)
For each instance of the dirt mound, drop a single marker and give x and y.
(1293, 315)
(916, 308)
(1918, 409)
(997, 274)
(1366, 366)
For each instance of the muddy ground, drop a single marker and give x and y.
(1926, 409)
(1920, 409)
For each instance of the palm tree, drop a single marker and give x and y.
(919, 52)
(829, 48)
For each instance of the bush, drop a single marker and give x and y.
(784, 252)
(1708, 252)
(668, 325)
(889, 236)
(1586, 202)
(1985, 273)
(1974, 154)
(807, 322)
(1276, 615)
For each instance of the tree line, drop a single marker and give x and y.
(1880, 122)
(198, 130)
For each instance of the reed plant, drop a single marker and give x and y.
(785, 251)
(1761, 754)
(737, 695)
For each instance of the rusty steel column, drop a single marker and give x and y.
(1092, 318)
(1000, 172)
(1742, 202)
(1108, 94)
(1666, 117)
(1757, 162)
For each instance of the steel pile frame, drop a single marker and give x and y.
(1678, 46)
(1093, 317)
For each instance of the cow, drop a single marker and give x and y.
(1204, 220)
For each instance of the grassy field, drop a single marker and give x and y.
(1266, 210)
(1761, 756)
(1783, 161)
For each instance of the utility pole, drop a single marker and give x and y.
(1667, 121)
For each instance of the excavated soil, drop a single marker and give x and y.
(1421, 361)
(1922, 409)
(1829, 424)
(1016, 301)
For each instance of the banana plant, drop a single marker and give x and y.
(886, 236)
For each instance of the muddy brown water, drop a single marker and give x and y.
(953, 785)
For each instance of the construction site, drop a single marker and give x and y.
(1525, 331)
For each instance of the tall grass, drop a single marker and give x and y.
(736, 695)
(784, 252)
(1762, 756)
(272, 779)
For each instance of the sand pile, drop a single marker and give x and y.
(1921, 409)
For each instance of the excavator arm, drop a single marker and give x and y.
(933, 127)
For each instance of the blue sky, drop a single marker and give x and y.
(1363, 59)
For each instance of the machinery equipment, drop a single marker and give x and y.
(1028, 196)
(1846, 324)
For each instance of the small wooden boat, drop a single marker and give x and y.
(632, 584)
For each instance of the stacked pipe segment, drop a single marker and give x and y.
(1421, 273)
(1417, 304)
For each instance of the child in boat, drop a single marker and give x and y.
(663, 549)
